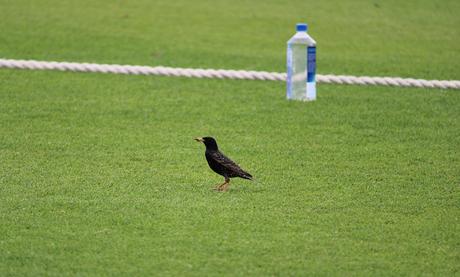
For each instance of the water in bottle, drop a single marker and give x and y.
(301, 65)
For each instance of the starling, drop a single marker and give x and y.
(220, 164)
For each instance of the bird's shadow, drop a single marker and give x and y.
(241, 189)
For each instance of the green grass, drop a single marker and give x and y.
(99, 174)
(413, 38)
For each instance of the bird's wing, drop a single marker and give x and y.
(229, 164)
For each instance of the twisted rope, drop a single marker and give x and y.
(222, 74)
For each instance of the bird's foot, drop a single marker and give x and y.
(222, 187)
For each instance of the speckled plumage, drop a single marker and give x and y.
(221, 164)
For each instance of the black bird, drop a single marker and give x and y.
(220, 164)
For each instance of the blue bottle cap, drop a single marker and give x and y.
(301, 27)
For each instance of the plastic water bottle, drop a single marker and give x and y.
(301, 65)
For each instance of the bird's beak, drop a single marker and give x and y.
(199, 139)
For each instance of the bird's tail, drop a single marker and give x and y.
(257, 182)
(247, 176)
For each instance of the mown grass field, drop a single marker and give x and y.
(99, 174)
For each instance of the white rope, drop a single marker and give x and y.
(222, 74)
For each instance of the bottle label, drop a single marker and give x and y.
(289, 72)
(311, 63)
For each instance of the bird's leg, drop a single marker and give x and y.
(217, 186)
(224, 186)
